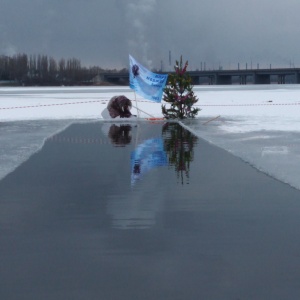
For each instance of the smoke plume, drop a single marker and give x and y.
(139, 16)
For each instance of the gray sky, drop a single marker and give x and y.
(105, 32)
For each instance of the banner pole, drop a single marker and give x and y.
(138, 111)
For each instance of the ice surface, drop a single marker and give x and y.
(19, 140)
(258, 123)
(276, 153)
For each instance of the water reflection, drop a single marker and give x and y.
(162, 146)
(146, 156)
(132, 203)
(179, 145)
(120, 135)
(175, 147)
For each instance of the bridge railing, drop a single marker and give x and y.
(225, 77)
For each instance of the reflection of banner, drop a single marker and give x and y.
(146, 83)
(146, 156)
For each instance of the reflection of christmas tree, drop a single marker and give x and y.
(179, 144)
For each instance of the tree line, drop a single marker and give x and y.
(22, 69)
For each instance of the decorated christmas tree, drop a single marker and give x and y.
(179, 93)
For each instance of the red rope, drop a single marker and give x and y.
(58, 104)
(261, 104)
(201, 105)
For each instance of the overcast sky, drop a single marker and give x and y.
(104, 32)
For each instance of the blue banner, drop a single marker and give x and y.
(146, 83)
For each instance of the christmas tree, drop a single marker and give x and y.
(179, 93)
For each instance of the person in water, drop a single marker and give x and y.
(119, 106)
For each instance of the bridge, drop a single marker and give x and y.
(224, 77)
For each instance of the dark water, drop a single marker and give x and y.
(145, 211)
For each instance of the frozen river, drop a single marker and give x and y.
(259, 124)
(107, 210)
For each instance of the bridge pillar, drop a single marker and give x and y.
(212, 79)
(262, 79)
(224, 79)
(243, 79)
(281, 79)
(195, 80)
